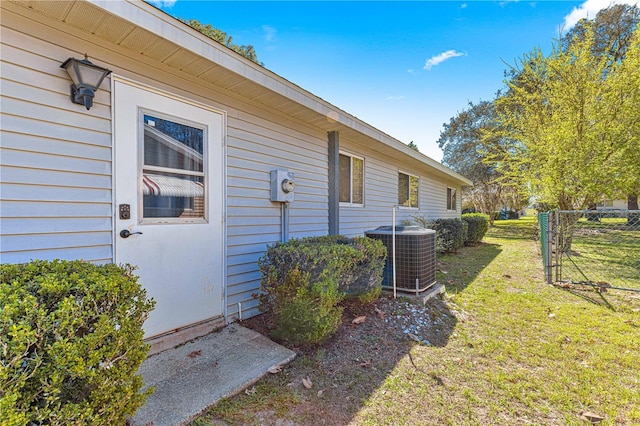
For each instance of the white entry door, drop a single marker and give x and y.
(169, 203)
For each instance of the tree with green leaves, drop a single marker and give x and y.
(613, 31)
(571, 120)
(622, 103)
(413, 146)
(558, 136)
(462, 141)
(221, 37)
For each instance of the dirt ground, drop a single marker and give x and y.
(342, 372)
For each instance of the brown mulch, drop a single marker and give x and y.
(347, 368)
(393, 320)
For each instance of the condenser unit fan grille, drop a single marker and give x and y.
(415, 257)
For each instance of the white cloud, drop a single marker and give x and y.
(589, 9)
(394, 98)
(269, 32)
(438, 59)
(163, 3)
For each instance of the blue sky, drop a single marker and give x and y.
(403, 67)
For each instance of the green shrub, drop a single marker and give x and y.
(450, 234)
(324, 270)
(70, 343)
(478, 226)
(306, 313)
(355, 263)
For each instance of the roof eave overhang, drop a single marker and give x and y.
(180, 46)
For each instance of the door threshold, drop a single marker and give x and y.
(182, 335)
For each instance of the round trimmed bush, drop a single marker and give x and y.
(71, 341)
(306, 313)
(304, 280)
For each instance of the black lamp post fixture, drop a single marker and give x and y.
(86, 78)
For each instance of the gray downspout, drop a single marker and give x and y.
(334, 182)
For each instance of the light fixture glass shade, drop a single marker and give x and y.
(86, 78)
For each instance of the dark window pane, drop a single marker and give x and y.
(452, 202)
(345, 179)
(188, 136)
(414, 184)
(403, 189)
(358, 181)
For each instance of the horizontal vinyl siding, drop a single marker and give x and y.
(55, 158)
(257, 144)
(57, 167)
(435, 202)
(381, 194)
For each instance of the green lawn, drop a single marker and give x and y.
(521, 352)
(606, 251)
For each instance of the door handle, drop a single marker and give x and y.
(125, 233)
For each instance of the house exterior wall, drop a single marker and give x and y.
(381, 194)
(612, 205)
(57, 195)
(257, 145)
(55, 160)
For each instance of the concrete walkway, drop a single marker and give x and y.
(194, 376)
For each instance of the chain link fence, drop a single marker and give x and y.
(591, 247)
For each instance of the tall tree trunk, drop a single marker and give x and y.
(633, 218)
(568, 221)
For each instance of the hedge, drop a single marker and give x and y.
(353, 262)
(478, 225)
(304, 280)
(71, 341)
(450, 234)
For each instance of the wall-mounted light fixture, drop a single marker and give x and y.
(86, 78)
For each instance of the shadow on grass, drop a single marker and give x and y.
(346, 370)
(589, 294)
(616, 300)
(520, 229)
(457, 270)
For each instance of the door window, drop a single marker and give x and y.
(173, 173)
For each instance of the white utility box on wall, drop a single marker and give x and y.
(282, 186)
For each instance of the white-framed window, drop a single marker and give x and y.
(351, 185)
(452, 201)
(408, 186)
(173, 169)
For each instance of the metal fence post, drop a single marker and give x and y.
(556, 233)
(549, 249)
(542, 222)
(546, 244)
